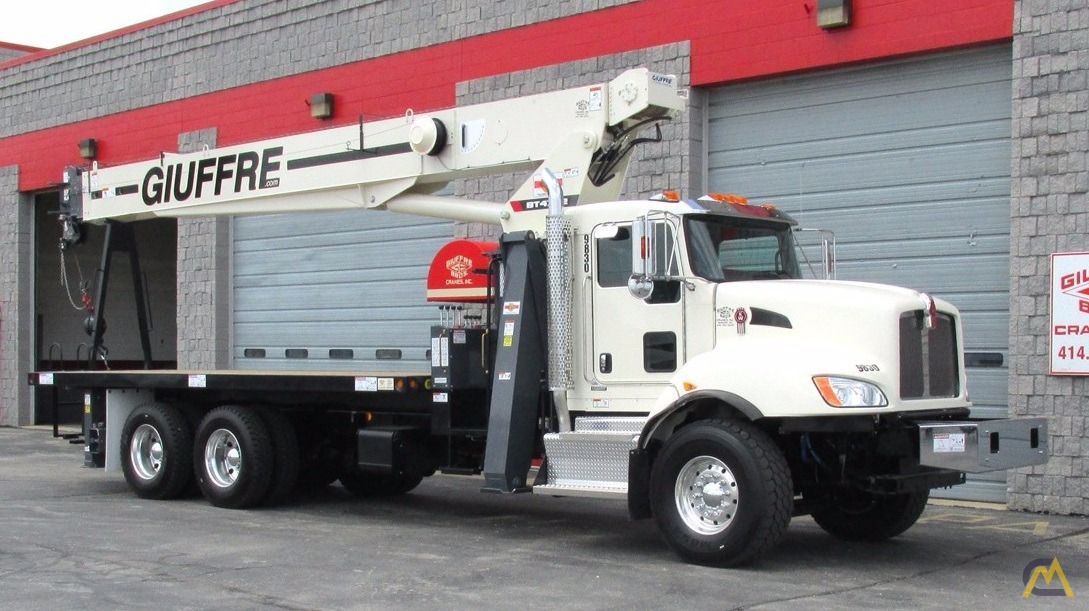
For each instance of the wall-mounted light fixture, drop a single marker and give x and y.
(321, 105)
(88, 148)
(833, 13)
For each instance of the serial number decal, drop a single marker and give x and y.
(867, 368)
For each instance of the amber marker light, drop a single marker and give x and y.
(688, 386)
(829, 395)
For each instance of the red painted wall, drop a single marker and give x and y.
(730, 40)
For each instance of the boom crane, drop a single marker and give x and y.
(667, 352)
(585, 134)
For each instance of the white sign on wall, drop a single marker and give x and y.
(1070, 313)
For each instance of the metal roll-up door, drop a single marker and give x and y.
(334, 290)
(909, 163)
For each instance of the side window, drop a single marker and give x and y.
(660, 351)
(614, 259)
(614, 262)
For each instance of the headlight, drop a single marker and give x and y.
(845, 392)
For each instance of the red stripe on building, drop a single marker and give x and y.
(730, 40)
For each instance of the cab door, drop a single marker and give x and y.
(635, 341)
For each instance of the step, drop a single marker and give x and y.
(610, 424)
(582, 491)
(593, 460)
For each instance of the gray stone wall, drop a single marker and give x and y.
(16, 288)
(1049, 213)
(674, 163)
(241, 43)
(204, 280)
(6, 54)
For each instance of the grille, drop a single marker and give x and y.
(928, 357)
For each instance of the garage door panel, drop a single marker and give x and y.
(981, 329)
(350, 281)
(931, 275)
(908, 163)
(931, 116)
(740, 155)
(976, 67)
(942, 218)
(380, 260)
(935, 164)
(301, 240)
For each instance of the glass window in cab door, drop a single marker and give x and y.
(614, 262)
(614, 259)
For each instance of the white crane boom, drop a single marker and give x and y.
(585, 135)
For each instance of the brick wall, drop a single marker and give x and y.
(16, 287)
(244, 42)
(1049, 213)
(674, 163)
(204, 280)
(6, 54)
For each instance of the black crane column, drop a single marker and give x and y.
(520, 364)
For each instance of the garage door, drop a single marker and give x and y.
(334, 290)
(909, 164)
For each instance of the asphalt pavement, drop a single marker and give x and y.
(76, 538)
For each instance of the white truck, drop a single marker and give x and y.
(666, 352)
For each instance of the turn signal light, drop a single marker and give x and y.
(688, 386)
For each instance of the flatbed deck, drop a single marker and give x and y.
(374, 390)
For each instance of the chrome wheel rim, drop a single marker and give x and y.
(222, 458)
(706, 495)
(146, 452)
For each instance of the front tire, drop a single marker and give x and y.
(156, 443)
(721, 492)
(234, 457)
(860, 516)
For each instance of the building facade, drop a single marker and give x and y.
(945, 144)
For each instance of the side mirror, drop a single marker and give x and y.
(643, 263)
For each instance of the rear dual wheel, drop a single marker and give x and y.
(156, 443)
(244, 457)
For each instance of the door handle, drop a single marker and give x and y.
(605, 362)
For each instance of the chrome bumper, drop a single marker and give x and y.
(985, 445)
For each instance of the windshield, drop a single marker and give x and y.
(728, 248)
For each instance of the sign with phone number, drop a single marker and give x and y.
(1070, 313)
